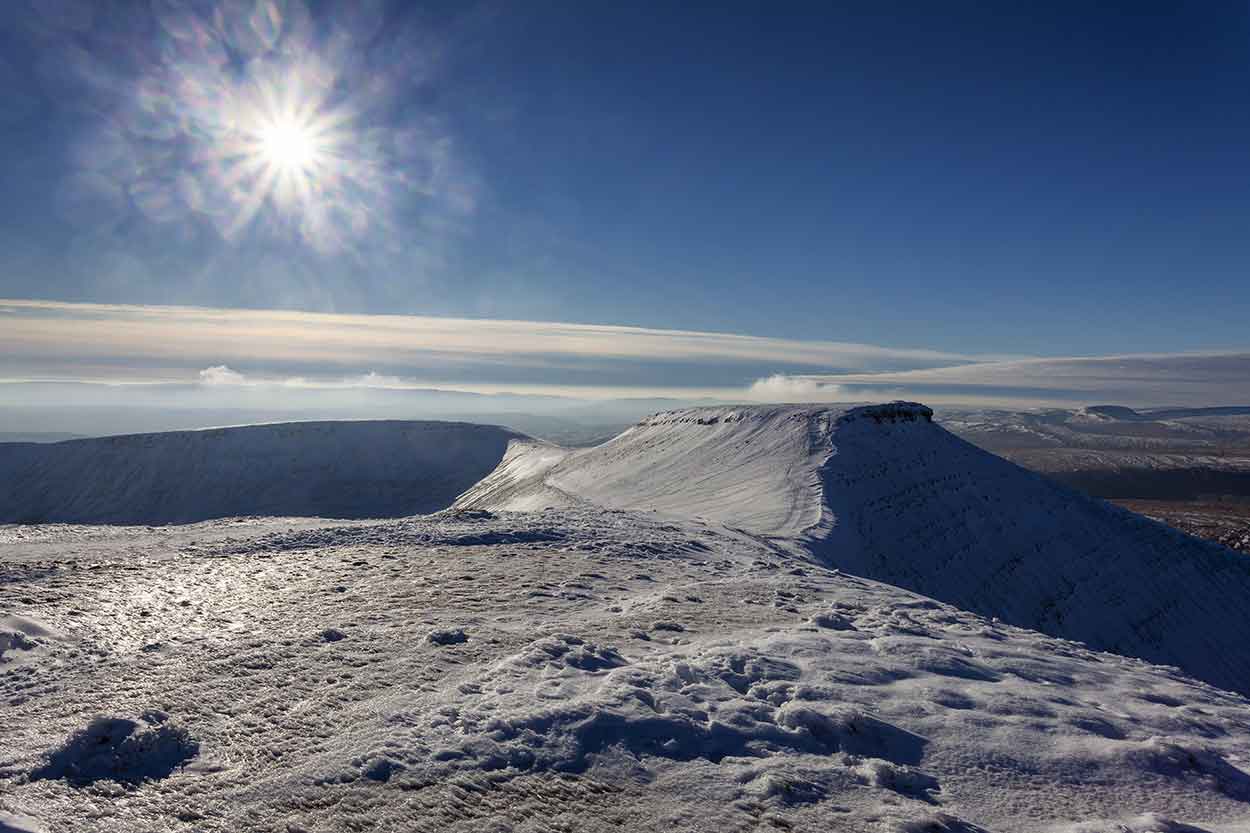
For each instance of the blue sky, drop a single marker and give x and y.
(1023, 180)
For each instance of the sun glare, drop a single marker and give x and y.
(289, 146)
(294, 138)
(288, 154)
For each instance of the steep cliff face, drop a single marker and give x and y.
(883, 492)
(329, 469)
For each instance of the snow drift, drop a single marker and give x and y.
(883, 492)
(330, 469)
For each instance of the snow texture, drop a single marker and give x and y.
(635, 673)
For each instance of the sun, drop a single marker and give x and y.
(289, 146)
(289, 153)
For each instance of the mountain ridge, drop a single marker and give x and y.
(879, 491)
(883, 492)
(346, 469)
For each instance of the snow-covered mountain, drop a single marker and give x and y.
(879, 491)
(883, 492)
(330, 469)
(681, 644)
(755, 468)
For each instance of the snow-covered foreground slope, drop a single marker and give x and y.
(573, 670)
(329, 469)
(883, 492)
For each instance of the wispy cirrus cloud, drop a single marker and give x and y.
(241, 350)
(52, 339)
(1142, 379)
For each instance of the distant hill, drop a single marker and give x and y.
(1110, 451)
(330, 469)
(36, 437)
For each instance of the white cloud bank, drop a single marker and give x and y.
(782, 388)
(220, 375)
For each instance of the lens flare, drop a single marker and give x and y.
(255, 119)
